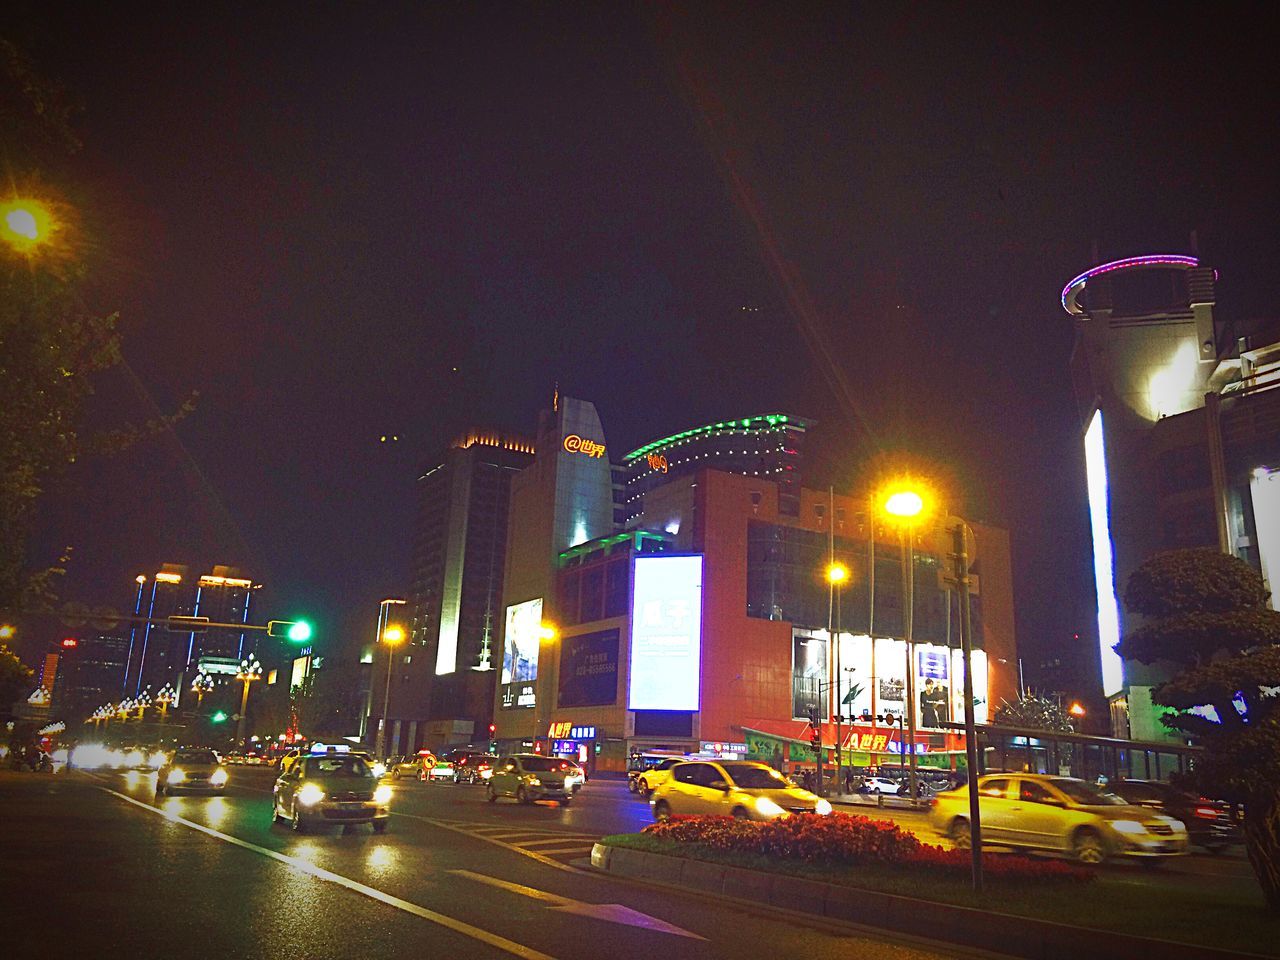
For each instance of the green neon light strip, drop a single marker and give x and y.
(593, 545)
(750, 423)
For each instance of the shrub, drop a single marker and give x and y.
(850, 841)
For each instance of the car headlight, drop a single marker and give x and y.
(767, 807)
(1177, 826)
(176, 775)
(486, 773)
(822, 807)
(535, 782)
(218, 777)
(1127, 826)
(309, 795)
(382, 796)
(379, 769)
(158, 759)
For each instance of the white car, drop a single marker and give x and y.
(880, 785)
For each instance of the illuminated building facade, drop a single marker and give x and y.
(156, 656)
(770, 446)
(703, 628)
(1181, 431)
(441, 692)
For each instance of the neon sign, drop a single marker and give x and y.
(576, 444)
(563, 729)
(657, 462)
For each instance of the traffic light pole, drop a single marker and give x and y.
(960, 556)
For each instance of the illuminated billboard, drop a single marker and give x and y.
(520, 641)
(666, 633)
(1095, 468)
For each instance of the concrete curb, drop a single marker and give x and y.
(980, 929)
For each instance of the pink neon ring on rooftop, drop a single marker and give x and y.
(1071, 292)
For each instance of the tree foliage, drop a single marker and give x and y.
(1208, 621)
(15, 677)
(1034, 712)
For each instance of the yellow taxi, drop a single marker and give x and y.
(1058, 814)
(731, 788)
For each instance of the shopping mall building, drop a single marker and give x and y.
(700, 621)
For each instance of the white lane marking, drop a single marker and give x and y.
(531, 854)
(302, 866)
(589, 841)
(611, 912)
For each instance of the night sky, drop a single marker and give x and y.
(344, 221)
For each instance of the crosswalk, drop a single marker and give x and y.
(557, 846)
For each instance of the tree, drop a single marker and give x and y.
(1208, 622)
(15, 676)
(1032, 712)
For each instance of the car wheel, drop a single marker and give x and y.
(1087, 847)
(522, 795)
(740, 813)
(380, 826)
(299, 826)
(490, 795)
(662, 811)
(632, 787)
(959, 834)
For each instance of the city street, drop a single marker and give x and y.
(453, 872)
(212, 876)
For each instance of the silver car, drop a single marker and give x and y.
(530, 776)
(191, 768)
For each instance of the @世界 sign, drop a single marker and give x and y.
(576, 444)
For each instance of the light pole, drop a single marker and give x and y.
(165, 697)
(837, 575)
(907, 504)
(547, 635)
(201, 685)
(391, 636)
(250, 670)
(25, 224)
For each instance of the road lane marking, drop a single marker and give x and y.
(590, 841)
(531, 854)
(302, 866)
(610, 912)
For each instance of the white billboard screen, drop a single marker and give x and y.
(521, 640)
(666, 633)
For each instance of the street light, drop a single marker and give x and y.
(250, 670)
(907, 504)
(25, 224)
(165, 697)
(202, 684)
(7, 630)
(391, 636)
(837, 575)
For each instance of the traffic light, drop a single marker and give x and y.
(295, 631)
(218, 717)
(493, 743)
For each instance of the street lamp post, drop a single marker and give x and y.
(391, 636)
(837, 575)
(250, 670)
(201, 685)
(165, 697)
(905, 504)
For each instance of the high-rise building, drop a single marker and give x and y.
(770, 446)
(92, 673)
(442, 681)
(157, 655)
(1181, 434)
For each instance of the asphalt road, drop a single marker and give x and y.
(96, 866)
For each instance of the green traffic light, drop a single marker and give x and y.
(300, 632)
(219, 716)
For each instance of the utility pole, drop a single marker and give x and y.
(908, 593)
(960, 558)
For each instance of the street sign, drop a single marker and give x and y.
(177, 624)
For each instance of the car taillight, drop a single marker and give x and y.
(1206, 813)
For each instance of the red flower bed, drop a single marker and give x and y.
(844, 839)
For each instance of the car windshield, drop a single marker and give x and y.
(1086, 794)
(540, 763)
(752, 777)
(195, 756)
(339, 766)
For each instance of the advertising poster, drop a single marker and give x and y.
(980, 708)
(891, 677)
(521, 640)
(666, 633)
(808, 672)
(855, 684)
(933, 691)
(589, 669)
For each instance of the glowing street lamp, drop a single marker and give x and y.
(7, 630)
(391, 636)
(907, 504)
(25, 224)
(202, 684)
(1076, 709)
(166, 696)
(837, 575)
(250, 670)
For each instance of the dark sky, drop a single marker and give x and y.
(339, 221)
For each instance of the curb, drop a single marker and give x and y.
(1000, 933)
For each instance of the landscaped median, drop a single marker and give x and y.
(872, 872)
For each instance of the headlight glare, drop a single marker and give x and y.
(309, 795)
(1127, 826)
(218, 777)
(379, 769)
(822, 807)
(382, 796)
(768, 807)
(176, 775)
